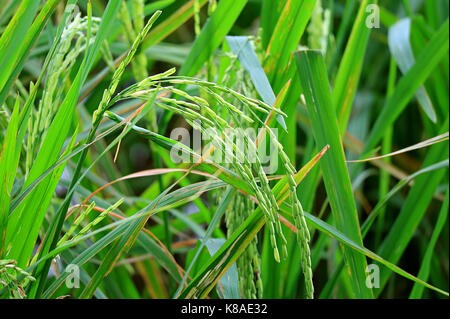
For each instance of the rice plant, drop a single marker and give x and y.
(229, 149)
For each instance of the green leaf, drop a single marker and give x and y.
(285, 39)
(347, 79)
(314, 82)
(13, 37)
(8, 166)
(270, 13)
(331, 231)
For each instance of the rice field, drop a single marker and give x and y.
(224, 149)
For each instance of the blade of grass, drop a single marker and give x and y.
(427, 143)
(228, 285)
(150, 8)
(12, 38)
(347, 79)
(284, 41)
(123, 243)
(350, 7)
(25, 47)
(386, 147)
(7, 11)
(314, 82)
(330, 230)
(270, 13)
(8, 166)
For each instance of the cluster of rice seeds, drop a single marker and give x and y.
(197, 27)
(198, 109)
(318, 29)
(76, 224)
(195, 109)
(108, 93)
(9, 274)
(139, 63)
(144, 89)
(133, 27)
(248, 264)
(225, 80)
(303, 236)
(97, 219)
(59, 69)
(212, 5)
(269, 202)
(218, 90)
(263, 193)
(241, 163)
